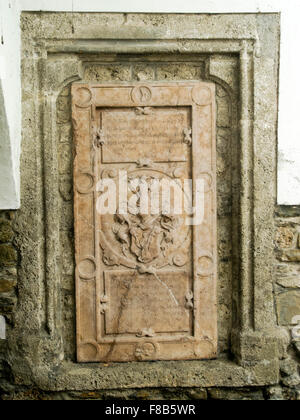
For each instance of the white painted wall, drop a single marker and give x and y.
(156, 6)
(11, 89)
(289, 128)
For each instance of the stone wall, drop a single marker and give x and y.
(287, 289)
(286, 299)
(37, 293)
(8, 291)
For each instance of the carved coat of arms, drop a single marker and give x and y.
(145, 236)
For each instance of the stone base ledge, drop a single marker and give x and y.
(186, 374)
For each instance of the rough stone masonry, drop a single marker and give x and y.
(258, 243)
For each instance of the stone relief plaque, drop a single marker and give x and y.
(145, 221)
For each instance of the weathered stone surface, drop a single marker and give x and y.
(7, 303)
(285, 237)
(179, 72)
(142, 72)
(292, 255)
(65, 133)
(228, 394)
(287, 211)
(94, 73)
(7, 285)
(288, 367)
(287, 273)
(292, 380)
(149, 297)
(297, 347)
(276, 394)
(6, 232)
(289, 282)
(288, 307)
(8, 255)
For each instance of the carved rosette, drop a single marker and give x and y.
(141, 94)
(147, 351)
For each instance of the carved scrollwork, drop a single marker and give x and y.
(98, 138)
(144, 110)
(109, 258)
(189, 297)
(104, 300)
(146, 332)
(109, 173)
(187, 132)
(178, 173)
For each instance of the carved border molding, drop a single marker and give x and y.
(253, 294)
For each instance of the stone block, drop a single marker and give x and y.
(275, 393)
(235, 395)
(291, 381)
(6, 232)
(284, 237)
(7, 285)
(288, 367)
(288, 307)
(8, 255)
(291, 255)
(289, 282)
(7, 303)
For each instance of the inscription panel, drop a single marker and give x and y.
(146, 273)
(150, 305)
(155, 133)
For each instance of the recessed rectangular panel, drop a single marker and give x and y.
(147, 304)
(145, 260)
(155, 133)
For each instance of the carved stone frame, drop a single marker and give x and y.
(254, 335)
